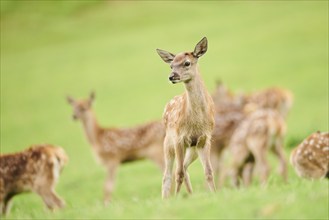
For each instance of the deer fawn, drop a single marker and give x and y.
(189, 120)
(228, 115)
(260, 131)
(36, 169)
(231, 110)
(114, 146)
(311, 158)
(274, 98)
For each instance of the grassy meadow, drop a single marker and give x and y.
(51, 49)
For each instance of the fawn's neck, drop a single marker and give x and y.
(91, 127)
(196, 94)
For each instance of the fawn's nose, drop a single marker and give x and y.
(173, 76)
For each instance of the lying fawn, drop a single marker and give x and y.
(189, 120)
(311, 158)
(261, 131)
(36, 169)
(114, 146)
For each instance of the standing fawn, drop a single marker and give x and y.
(36, 169)
(311, 158)
(262, 130)
(189, 120)
(114, 146)
(230, 111)
(228, 115)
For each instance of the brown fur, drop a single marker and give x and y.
(310, 159)
(36, 169)
(261, 131)
(189, 120)
(114, 146)
(231, 109)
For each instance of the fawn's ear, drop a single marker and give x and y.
(219, 82)
(91, 97)
(201, 48)
(70, 100)
(166, 56)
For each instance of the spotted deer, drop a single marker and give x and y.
(261, 130)
(189, 120)
(276, 98)
(231, 109)
(229, 112)
(114, 146)
(35, 169)
(310, 159)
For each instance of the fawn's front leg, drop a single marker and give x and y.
(109, 182)
(203, 149)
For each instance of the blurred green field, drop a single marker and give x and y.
(50, 49)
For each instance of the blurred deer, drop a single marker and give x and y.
(229, 113)
(310, 159)
(262, 130)
(114, 146)
(37, 170)
(231, 109)
(274, 98)
(189, 120)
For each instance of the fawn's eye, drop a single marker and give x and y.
(187, 63)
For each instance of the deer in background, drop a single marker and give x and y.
(310, 158)
(114, 146)
(261, 130)
(36, 169)
(229, 112)
(232, 109)
(189, 120)
(274, 98)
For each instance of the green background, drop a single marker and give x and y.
(50, 49)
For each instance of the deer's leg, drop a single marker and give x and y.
(6, 204)
(180, 173)
(257, 146)
(203, 149)
(247, 173)
(190, 156)
(239, 156)
(50, 198)
(278, 151)
(109, 182)
(169, 157)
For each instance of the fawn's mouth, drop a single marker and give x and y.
(174, 81)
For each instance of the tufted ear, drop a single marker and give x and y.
(70, 100)
(166, 56)
(91, 97)
(201, 48)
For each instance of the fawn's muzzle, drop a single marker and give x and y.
(174, 77)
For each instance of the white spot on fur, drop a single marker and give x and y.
(311, 141)
(325, 149)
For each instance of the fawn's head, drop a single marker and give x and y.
(80, 107)
(184, 65)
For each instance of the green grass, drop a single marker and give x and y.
(50, 49)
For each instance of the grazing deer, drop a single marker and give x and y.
(36, 169)
(262, 130)
(189, 120)
(311, 158)
(114, 146)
